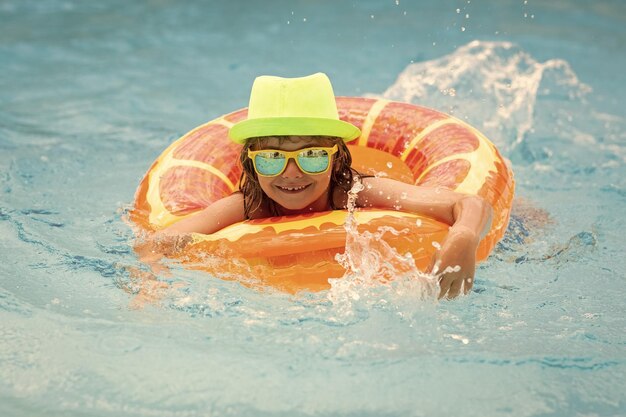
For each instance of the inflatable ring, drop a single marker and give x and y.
(409, 143)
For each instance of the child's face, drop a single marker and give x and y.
(295, 190)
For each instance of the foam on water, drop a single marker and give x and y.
(493, 85)
(376, 274)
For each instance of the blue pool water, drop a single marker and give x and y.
(92, 92)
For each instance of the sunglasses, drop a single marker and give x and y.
(272, 162)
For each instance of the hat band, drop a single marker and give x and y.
(293, 126)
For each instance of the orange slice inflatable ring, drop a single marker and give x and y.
(402, 141)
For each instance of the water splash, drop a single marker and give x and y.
(376, 274)
(492, 85)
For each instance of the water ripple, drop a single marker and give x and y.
(9, 303)
(35, 214)
(101, 266)
(23, 234)
(578, 363)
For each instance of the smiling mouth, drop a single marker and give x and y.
(294, 189)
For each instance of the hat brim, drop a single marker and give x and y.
(292, 126)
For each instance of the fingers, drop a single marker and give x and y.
(434, 265)
(468, 284)
(160, 269)
(455, 288)
(444, 285)
(451, 285)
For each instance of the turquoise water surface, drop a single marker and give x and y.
(92, 92)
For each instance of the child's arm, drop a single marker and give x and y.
(174, 238)
(468, 215)
(222, 213)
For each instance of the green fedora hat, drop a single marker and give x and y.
(302, 106)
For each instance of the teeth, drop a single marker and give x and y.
(294, 188)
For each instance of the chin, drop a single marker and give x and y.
(304, 204)
(294, 207)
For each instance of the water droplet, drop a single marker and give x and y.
(462, 28)
(389, 164)
(458, 11)
(403, 196)
(418, 223)
(436, 245)
(460, 338)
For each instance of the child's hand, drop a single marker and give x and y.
(455, 263)
(152, 250)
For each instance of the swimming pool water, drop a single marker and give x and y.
(92, 92)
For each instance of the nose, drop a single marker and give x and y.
(292, 170)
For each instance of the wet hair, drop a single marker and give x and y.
(254, 197)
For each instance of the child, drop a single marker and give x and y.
(295, 161)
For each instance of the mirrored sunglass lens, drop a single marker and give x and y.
(313, 160)
(269, 163)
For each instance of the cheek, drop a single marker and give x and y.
(264, 183)
(324, 180)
